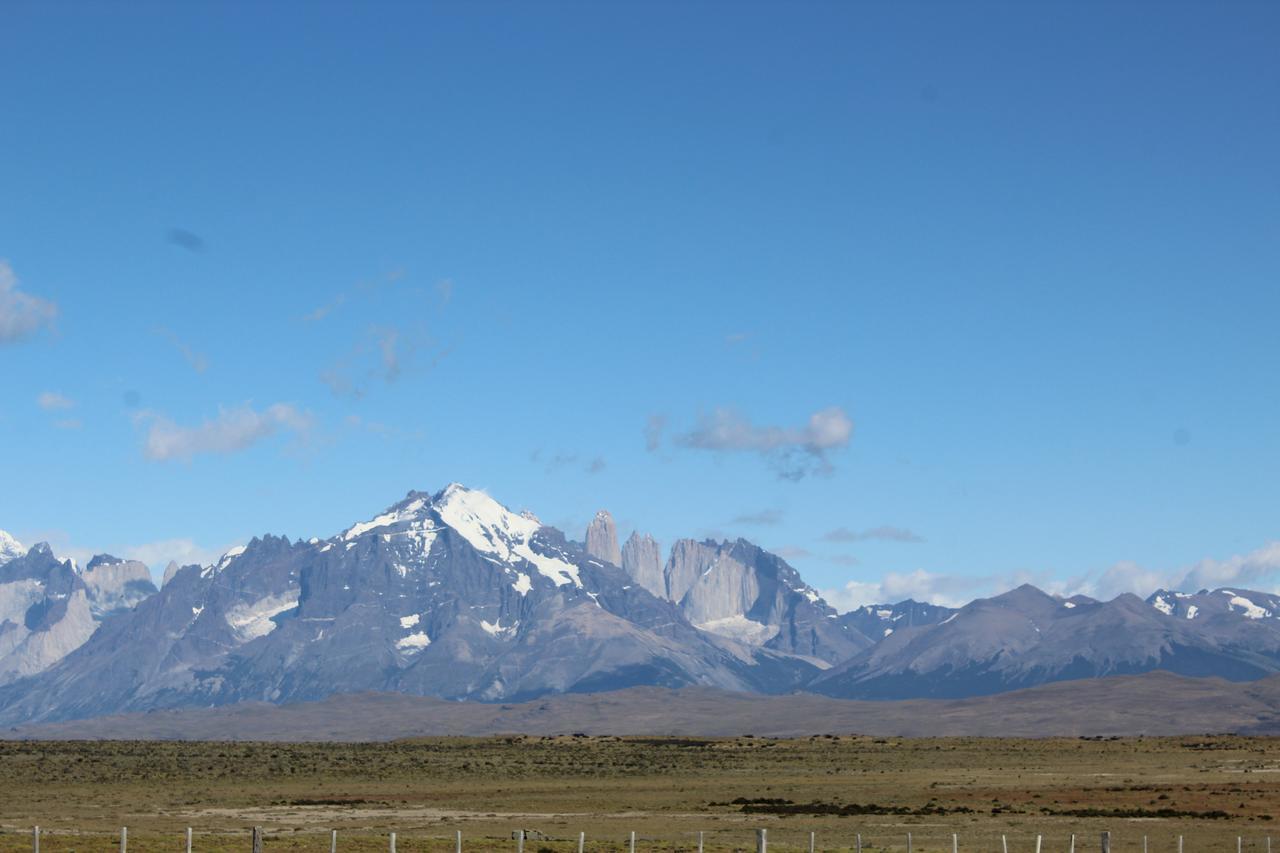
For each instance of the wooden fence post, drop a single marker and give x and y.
(1004, 844)
(457, 842)
(1073, 843)
(391, 848)
(257, 840)
(859, 843)
(35, 840)
(333, 841)
(700, 844)
(188, 839)
(632, 846)
(1239, 844)
(955, 843)
(124, 839)
(1038, 845)
(762, 841)
(908, 842)
(1106, 842)
(811, 839)
(520, 841)
(582, 841)
(1179, 844)
(1144, 844)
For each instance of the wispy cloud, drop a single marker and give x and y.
(653, 429)
(444, 288)
(794, 451)
(947, 590)
(21, 314)
(197, 360)
(184, 239)
(764, 517)
(793, 552)
(1260, 567)
(233, 430)
(596, 465)
(53, 401)
(884, 533)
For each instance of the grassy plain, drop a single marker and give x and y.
(1208, 789)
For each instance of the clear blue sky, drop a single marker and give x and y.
(270, 266)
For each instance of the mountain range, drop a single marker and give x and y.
(452, 595)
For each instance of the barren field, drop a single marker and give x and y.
(1210, 790)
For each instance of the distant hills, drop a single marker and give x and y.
(452, 595)
(1156, 703)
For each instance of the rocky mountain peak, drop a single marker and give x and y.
(642, 561)
(602, 539)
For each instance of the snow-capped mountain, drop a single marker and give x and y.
(448, 595)
(10, 548)
(454, 595)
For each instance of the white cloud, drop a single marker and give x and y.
(21, 314)
(1259, 569)
(52, 401)
(947, 590)
(232, 430)
(795, 451)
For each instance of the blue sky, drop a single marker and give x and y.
(927, 297)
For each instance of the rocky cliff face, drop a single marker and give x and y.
(48, 608)
(642, 561)
(740, 591)
(602, 539)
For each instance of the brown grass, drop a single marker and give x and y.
(1208, 789)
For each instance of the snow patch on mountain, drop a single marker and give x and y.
(251, 621)
(740, 628)
(1248, 609)
(416, 641)
(10, 548)
(491, 528)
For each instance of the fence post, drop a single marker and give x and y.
(457, 842)
(124, 839)
(1073, 843)
(700, 844)
(520, 841)
(35, 840)
(582, 841)
(1004, 844)
(908, 842)
(632, 845)
(1106, 842)
(811, 839)
(257, 840)
(333, 841)
(859, 843)
(1239, 844)
(1179, 844)
(762, 841)
(1038, 845)
(188, 840)
(955, 843)
(1144, 844)
(392, 847)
